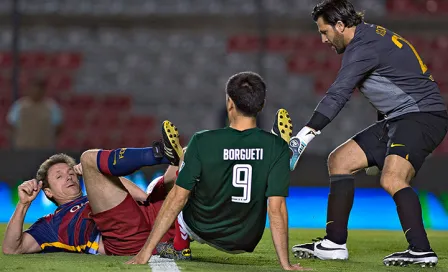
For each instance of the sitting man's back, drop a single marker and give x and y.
(231, 173)
(229, 178)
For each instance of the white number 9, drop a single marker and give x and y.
(242, 178)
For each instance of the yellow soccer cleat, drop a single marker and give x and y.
(282, 125)
(171, 145)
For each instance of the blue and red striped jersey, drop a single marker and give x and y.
(69, 228)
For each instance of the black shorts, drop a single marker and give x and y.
(412, 136)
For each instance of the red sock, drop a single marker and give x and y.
(181, 239)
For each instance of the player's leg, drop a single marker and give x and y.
(121, 221)
(101, 169)
(180, 240)
(367, 148)
(412, 139)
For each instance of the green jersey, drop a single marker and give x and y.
(231, 174)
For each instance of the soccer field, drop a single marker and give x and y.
(367, 248)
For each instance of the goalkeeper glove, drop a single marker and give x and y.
(298, 143)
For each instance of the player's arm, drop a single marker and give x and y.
(278, 219)
(189, 173)
(277, 190)
(356, 66)
(16, 241)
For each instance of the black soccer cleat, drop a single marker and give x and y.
(282, 125)
(172, 149)
(162, 247)
(412, 256)
(157, 150)
(179, 255)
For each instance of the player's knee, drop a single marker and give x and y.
(391, 182)
(336, 164)
(88, 158)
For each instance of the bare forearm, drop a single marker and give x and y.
(279, 229)
(168, 213)
(14, 230)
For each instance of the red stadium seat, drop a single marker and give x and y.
(66, 60)
(134, 140)
(116, 103)
(323, 82)
(57, 83)
(81, 102)
(6, 60)
(243, 43)
(302, 64)
(140, 123)
(68, 142)
(4, 141)
(34, 60)
(440, 43)
(281, 43)
(105, 121)
(75, 119)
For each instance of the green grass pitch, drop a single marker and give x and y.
(366, 249)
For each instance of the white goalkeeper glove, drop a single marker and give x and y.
(298, 143)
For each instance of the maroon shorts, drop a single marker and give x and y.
(126, 227)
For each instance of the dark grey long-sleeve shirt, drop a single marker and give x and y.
(389, 73)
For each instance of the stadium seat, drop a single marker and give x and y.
(33, 60)
(106, 121)
(300, 64)
(68, 142)
(281, 43)
(6, 60)
(116, 102)
(75, 119)
(81, 102)
(243, 43)
(4, 141)
(66, 60)
(58, 82)
(134, 140)
(140, 123)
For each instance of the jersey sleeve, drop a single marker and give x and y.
(42, 232)
(190, 170)
(356, 65)
(279, 176)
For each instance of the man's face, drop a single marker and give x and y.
(331, 35)
(64, 183)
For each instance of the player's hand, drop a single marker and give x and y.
(28, 191)
(296, 267)
(298, 143)
(139, 259)
(78, 169)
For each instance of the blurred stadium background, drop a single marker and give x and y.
(117, 68)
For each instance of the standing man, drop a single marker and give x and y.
(392, 76)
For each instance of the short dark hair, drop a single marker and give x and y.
(248, 92)
(42, 172)
(333, 11)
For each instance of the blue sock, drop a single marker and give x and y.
(125, 161)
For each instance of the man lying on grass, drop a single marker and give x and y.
(114, 218)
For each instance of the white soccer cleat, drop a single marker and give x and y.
(323, 249)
